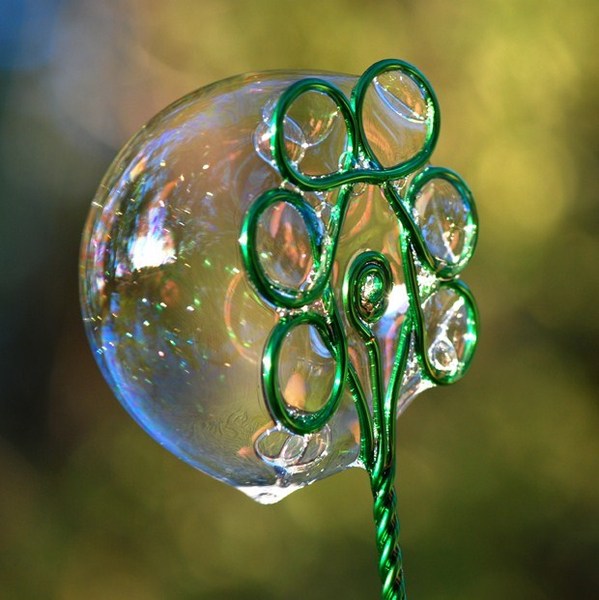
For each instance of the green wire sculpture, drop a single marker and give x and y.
(365, 290)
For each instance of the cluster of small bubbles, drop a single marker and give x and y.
(400, 186)
(346, 160)
(324, 211)
(292, 187)
(295, 144)
(427, 280)
(319, 306)
(289, 452)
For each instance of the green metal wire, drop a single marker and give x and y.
(365, 291)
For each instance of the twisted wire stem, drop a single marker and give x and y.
(381, 429)
(387, 534)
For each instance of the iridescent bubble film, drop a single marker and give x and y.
(176, 326)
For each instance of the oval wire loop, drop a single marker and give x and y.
(291, 173)
(404, 210)
(470, 336)
(275, 293)
(442, 268)
(331, 333)
(433, 118)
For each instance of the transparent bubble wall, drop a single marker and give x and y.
(178, 330)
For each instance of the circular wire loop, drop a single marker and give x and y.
(288, 170)
(366, 288)
(469, 337)
(277, 294)
(432, 122)
(295, 419)
(442, 268)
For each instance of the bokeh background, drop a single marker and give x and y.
(497, 476)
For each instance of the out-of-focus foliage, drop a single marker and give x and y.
(497, 476)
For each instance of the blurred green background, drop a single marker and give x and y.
(497, 476)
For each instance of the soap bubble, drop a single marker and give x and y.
(177, 328)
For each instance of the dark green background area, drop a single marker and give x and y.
(497, 475)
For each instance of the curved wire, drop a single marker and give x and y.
(433, 118)
(331, 333)
(366, 287)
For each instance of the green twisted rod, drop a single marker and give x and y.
(365, 290)
(372, 269)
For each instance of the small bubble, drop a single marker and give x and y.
(443, 355)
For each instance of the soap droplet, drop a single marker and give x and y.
(443, 355)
